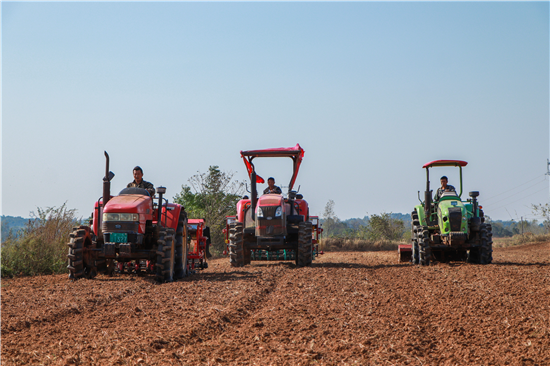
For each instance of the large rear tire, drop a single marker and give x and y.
(81, 238)
(166, 255)
(425, 251)
(415, 229)
(181, 268)
(486, 249)
(305, 246)
(236, 244)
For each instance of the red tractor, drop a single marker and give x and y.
(271, 222)
(130, 231)
(196, 242)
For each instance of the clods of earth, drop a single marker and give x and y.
(347, 308)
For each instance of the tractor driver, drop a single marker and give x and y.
(272, 188)
(444, 188)
(140, 183)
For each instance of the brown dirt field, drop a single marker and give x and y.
(347, 308)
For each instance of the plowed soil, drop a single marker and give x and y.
(347, 308)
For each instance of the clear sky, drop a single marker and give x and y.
(370, 90)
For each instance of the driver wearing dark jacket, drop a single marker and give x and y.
(272, 188)
(140, 183)
(444, 188)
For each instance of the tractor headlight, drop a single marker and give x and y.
(278, 211)
(108, 216)
(259, 212)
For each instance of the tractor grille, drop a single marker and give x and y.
(271, 227)
(269, 211)
(119, 226)
(455, 218)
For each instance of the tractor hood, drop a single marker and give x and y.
(296, 153)
(130, 203)
(270, 200)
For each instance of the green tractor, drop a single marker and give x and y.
(448, 229)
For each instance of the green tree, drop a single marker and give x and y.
(384, 227)
(211, 196)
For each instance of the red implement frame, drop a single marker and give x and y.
(296, 153)
(196, 244)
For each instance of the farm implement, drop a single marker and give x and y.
(131, 232)
(196, 241)
(448, 229)
(271, 223)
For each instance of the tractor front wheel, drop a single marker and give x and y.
(236, 244)
(305, 246)
(81, 238)
(166, 255)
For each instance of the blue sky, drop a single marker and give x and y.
(370, 90)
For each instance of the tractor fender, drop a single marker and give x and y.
(170, 215)
(421, 215)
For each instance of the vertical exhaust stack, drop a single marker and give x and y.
(107, 181)
(428, 198)
(160, 191)
(253, 193)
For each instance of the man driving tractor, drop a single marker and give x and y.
(140, 183)
(272, 188)
(444, 188)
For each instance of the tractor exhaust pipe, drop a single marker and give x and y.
(107, 181)
(428, 198)
(160, 192)
(254, 194)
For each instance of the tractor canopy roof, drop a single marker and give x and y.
(296, 153)
(445, 163)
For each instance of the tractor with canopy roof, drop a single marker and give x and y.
(448, 228)
(271, 222)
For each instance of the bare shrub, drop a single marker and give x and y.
(41, 247)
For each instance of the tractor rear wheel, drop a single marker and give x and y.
(166, 255)
(181, 249)
(415, 229)
(486, 249)
(425, 252)
(236, 244)
(305, 246)
(81, 237)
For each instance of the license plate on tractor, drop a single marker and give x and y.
(119, 237)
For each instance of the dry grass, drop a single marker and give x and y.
(356, 245)
(520, 239)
